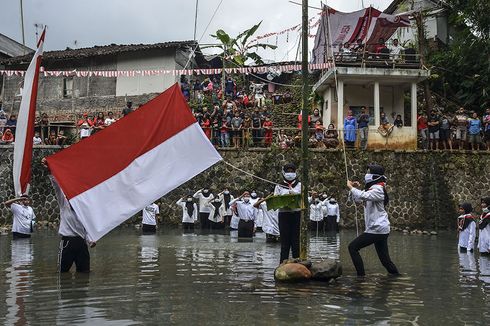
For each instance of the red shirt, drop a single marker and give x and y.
(421, 123)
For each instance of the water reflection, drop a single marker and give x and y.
(188, 278)
(19, 279)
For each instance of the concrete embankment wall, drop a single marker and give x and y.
(424, 187)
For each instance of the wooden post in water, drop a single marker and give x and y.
(305, 133)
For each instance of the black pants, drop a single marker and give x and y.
(73, 250)
(314, 225)
(149, 229)
(380, 243)
(204, 220)
(187, 226)
(289, 227)
(245, 229)
(331, 223)
(227, 220)
(17, 235)
(217, 225)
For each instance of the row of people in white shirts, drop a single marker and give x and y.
(467, 225)
(321, 207)
(245, 210)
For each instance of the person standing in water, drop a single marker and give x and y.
(333, 215)
(150, 216)
(377, 230)
(226, 198)
(246, 213)
(289, 219)
(23, 217)
(189, 212)
(204, 195)
(466, 228)
(484, 226)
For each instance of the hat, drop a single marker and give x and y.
(466, 207)
(376, 169)
(486, 200)
(289, 166)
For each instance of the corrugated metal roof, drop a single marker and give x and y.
(11, 47)
(98, 51)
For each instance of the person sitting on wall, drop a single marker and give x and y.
(398, 121)
(380, 46)
(331, 137)
(11, 123)
(396, 50)
(51, 139)
(37, 140)
(385, 127)
(110, 119)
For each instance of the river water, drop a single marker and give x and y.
(215, 279)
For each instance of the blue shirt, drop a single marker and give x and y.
(474, 126)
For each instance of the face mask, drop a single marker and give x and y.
(290, 176)
(205, 191)
(227, 192)
(253, 195)
(246, 199)
(369, 177)
(189, 199)
(485, 210)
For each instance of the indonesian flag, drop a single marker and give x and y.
(24, 131)
(112, 175)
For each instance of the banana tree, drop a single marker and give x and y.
(236, 52)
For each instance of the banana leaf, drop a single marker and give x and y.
(291, 201)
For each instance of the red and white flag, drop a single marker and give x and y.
(112, 175)
(24, 131)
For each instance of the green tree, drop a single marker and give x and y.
(240, 49)
(462, 69)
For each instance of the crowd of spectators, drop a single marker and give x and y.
(233, 118)
(462, 130)
(394, 52)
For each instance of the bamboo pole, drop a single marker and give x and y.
(304, 144)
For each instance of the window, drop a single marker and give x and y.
(67, 87)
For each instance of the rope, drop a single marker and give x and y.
(253, 175)
(205, 30)
(340, 106)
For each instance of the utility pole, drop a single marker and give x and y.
(195, 20)
(305, 131)
(22, 22)
(423, 51)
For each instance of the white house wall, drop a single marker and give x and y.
(145, 84)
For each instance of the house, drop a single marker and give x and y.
(10, 48)
(379, 81)
(437, 28)
(77, 93)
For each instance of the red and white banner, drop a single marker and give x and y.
(24, 131)
(112, 175)
(367, 25)
(158, 72)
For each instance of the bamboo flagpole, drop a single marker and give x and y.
(304, 144)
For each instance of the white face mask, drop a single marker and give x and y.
(253, 195)
(226, 192)
(189, 199)
(369, 177)
(205, 191)
(290, 176)
(246, 199)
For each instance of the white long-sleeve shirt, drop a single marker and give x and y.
(246, 211)
(70, 225)
(203, 207)
(375, 215)
(316, 212)
(186, 218)
(467, 236)
(228, 211)
(484, 237)
(332, 210)
(270, 223)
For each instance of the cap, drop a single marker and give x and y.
(289, 166)
(466, 207)
(376, 169)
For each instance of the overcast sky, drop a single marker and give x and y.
(101, 22)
